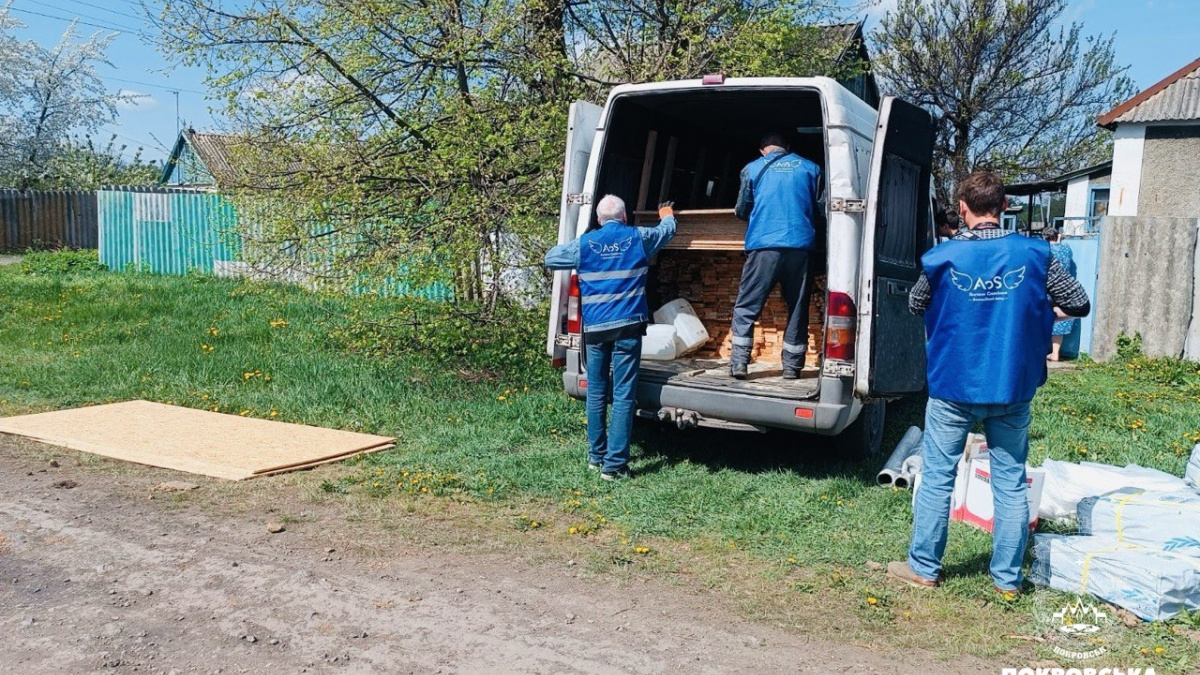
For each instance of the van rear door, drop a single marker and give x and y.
(896, 231)
(581, 132)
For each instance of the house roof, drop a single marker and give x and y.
(213, 150)
(1175, 98)
(1058, 183)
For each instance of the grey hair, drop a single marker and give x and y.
(611, 207)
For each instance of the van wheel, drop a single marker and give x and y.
(864, 438)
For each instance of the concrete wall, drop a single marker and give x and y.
(1128, 143)
(1170, 185)
(1148, 285)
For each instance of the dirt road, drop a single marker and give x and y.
(97, 576)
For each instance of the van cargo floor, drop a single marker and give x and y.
(766, 379)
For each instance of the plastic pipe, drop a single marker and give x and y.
(909, 445)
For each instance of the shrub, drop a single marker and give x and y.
(63, 261)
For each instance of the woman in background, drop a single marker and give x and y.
(1062, 253)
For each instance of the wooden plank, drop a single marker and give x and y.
(702, 229)
(664, 189)
(647, 167)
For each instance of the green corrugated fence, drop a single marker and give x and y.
(178, 230)
(166, 230)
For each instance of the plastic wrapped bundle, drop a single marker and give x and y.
(1192, 473)
(1153, 584)
(1167, 521)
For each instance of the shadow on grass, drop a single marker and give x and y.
(809, 455)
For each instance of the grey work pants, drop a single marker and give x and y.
(764, 268)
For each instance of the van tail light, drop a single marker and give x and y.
(574, 318)
(840, 329)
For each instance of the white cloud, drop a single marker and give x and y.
(142, 100)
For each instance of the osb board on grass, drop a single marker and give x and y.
(195, 441)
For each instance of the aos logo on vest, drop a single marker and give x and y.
(613, 250)
(987, 288)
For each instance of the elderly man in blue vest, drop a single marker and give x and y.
(612, 261)
(778, 196)
(989, 298)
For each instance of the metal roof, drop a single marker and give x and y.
(1173, 99)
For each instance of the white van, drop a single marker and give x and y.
(686, 142)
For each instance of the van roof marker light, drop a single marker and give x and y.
(713, 78)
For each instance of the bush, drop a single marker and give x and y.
(63, 261)
(508, 344)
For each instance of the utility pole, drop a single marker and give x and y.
(176, 112)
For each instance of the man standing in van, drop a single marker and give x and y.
(987, 324)
(778, 196)
(611, 262)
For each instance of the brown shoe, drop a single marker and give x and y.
(900, 570)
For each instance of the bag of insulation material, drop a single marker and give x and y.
(1153, 584)
(1167, 521)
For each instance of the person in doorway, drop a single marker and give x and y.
(611, 262)
(946, 223)
(1061, 253)
(988, 322)
(779, 197)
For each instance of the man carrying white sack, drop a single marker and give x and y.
(989, 298)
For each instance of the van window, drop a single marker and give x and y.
(900, 194)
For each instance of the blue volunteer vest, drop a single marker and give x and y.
(612, 277)
(784, 199)
(988, 323)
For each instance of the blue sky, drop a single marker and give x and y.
(1153, 37)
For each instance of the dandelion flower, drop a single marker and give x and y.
(872, 601)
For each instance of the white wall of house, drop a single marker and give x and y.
(1075, 210)
(1129, 141)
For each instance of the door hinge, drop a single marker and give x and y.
(848, 205)
(579, 198)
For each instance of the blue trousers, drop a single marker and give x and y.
(946, 427)
(764, 268)
(608, 444)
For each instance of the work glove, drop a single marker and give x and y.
(666, 209)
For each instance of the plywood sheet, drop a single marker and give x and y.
(195, 441)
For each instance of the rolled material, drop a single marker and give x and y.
(908, 446)
(909, 472)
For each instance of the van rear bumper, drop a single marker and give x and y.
(828, 416)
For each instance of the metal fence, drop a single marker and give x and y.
(180, 230)
(166, 230)
(44, 219)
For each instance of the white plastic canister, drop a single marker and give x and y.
(659, 343)
(690, 333)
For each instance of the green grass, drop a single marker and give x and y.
(498, 435)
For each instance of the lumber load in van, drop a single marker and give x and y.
(701, 229)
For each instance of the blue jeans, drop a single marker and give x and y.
(608, 444)
(946, 427)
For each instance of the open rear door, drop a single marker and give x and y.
(581, 131)
(896, 231)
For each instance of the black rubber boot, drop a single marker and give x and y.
(791, 373)
(738, 371)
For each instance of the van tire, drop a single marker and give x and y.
(863, 439)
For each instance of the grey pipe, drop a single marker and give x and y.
(908, 472)
(908, 446)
